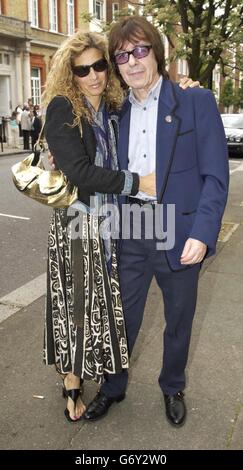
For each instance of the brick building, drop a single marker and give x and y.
(32, 30)
(30, 33)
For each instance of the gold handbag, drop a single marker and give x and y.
(51, 188)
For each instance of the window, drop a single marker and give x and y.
(4, 58)
(70, 16)
(5, 99)
(53, 15)
(182, 67)
(115, 9)
(131, 8)
(2, 8)
(166, 47)
(98, 9)
(35, 85)
(33, 13)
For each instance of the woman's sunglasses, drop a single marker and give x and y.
(139, 52)
(84, 70)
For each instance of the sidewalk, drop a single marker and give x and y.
(9, 150)
(214, 394)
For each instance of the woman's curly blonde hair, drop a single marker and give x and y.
(60, 79)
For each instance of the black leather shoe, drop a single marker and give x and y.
(175, 409)
(100, 405)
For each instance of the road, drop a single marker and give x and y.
(24, 228)
(23, 241)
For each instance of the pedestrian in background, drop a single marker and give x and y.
(26, 126)
(14, 128)
(19, 111)
(36, 125)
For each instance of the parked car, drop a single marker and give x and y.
(233, 126)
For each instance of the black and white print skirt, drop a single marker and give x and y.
(84, 323)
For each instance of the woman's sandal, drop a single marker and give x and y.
(73, 394)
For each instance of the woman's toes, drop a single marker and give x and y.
(80, 409)
(71, 409)
(76, 412)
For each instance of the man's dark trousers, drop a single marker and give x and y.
(140, 260)
(26, 139)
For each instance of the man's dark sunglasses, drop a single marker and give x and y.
(139, 52)
(83, 70)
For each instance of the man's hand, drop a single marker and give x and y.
(193, 252)
(186, 82)
(147, 184)
(51, 161)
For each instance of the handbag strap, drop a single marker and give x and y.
(39, 145)
(41, 135)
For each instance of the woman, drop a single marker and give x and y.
(14, 130)
(84, 326)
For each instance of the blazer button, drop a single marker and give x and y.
(168, 118)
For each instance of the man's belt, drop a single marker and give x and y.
(142, 202)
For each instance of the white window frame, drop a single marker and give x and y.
(166, 47)
(70, 16)
(53, 16)
(115, 9)
(131, 8)
(5, 59)
(182, 67)
(99, 3)
(33, 13)
(36, 86)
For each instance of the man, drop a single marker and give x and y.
(178, 134)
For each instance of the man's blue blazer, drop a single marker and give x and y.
(192, 170)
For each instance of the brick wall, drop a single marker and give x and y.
(122, 4)
(15, 9)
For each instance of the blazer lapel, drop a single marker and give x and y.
(167, 130)
(124, 136)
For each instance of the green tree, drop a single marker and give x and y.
(200, 31)
(227, 94)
